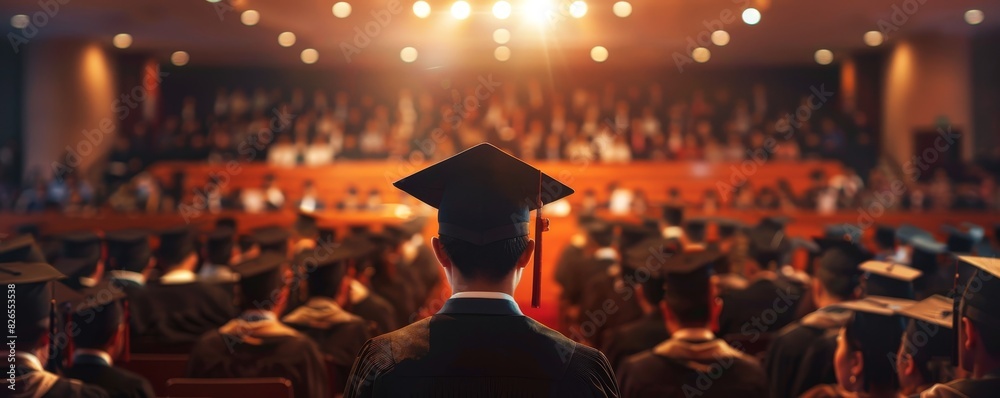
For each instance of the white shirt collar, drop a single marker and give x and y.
(97, 353)
(129, 276)
(484, 295)
(259, 314)
(606, 253)
(178, 276)
(30, 361)
(693, 334)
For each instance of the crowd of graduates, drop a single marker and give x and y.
(679, 307)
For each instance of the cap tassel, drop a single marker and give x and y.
(541, 225)
(53, 350)
(69, 342)
(127, 351)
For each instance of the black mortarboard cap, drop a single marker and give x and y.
(246, 242)
(129, 249)
(885, 236)
(20, 249)
(484, 195)
(272, 239)
(933, 318)
(74, 269)
(768, 242)
(175, 245)
(728, 227)
(936, 309)
(305, 224)
(687, 281)
(34, 297)
(261, 276)
(889, 279)
(843, 231)
(226, 222)
(98, 316)
(959, 241)
(907, 232)
(632, 235)
(327, 234)
(219, 245)
(673, 214)
(695, 229)
(81, 245)
(978, 292)
(841, 256)
(925, 253)
(600, 232)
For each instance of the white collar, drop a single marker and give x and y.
(129, 276)
(178, 276)
(693, 334)
(606, 253)
(269, 315)
(97, 353)
(30, 361)
(484, 295)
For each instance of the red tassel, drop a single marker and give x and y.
(127, 352)
(69, 342)
(540, 225)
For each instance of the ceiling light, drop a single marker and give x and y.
(974, 17)
(599, 54)
(823, 56)
(873, 38)
(408, 54)
(720, 38)
(20, 21)
(701, 55)
(751, 16)
(501, 10)
(460, 10)
(501, 36)
(309, 56)
(622, 9)
(250, 17)
(286, 39)
(122, 40)
(179, 58)
(578, 9)
(502, 53)
(421, 9)
(342, 9)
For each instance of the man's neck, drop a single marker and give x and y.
(986, 367)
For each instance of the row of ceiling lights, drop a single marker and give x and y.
(502, 10)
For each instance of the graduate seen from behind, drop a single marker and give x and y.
(479, 343)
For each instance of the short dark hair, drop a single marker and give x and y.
(492, 261)
(925, 350)
(990, 337)
(325, 281)
(873, 335)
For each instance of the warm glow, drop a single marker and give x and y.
(421, 9)
(501, 36)
(179, 58)
(720, 38)
(408, 54)
(122, 40)
(286, 39)
(19, 21)
(622, 9)
(342, 9)
(823, 56)
(459, 10)
(701, 55)
(974, 17)
(501, 10)
(250, 17)
(873, 38)
(502, 53)
(751, 16)
(309, 56)
(599, 54)
(538, 10)
(578, 9)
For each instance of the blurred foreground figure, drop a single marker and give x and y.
(479, 343)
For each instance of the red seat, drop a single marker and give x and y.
(157, 368)
(265, 387)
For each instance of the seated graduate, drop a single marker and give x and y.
(864, 345)
(31, 284)
(220, 254)
(977, 329)
(414, 260)
(338, 333)
(130, 259)
(693, 361)
(650, 330)
(100, 340)
(480, 344)
(361, 300)
(928, 345)
(21, 248)
(605, 287)
(178, 308)
(801, 354)
(399, 287)
(596, 255)
(256, 344)
(81, 260)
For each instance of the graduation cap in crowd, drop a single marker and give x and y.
(20, 249)
(925, 254)
(601, 232)
(324, 266)
(176, 244)
(305, 224)
(97, 317)
(931, 320)
(695, 229)
(673, 214)
(687, 282)
(484, 195)
(876, 328)
(77, 271)
(29, 229)
(838, 265)
(728, 227)
(843, 231)
(889, 279)
(359, 229)
(272, 239)
(978, 293)
(906, 233)
(129, 250)
(326, 234)
(261, 276)
(885, 236)
(35, 308)
(959, 241)
(219, 245)
(631, 235)
(82, 245)
(768, 242)
(226, 222)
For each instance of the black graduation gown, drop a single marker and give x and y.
(607, 303)
(338, 333)
(765, 305)
(682, 369)
(788, 372)
(27, 382)
(634, 337)
(118, 383)
(479, 348)
(964, 388)
(176, 315)
(263, 348)
(577, 274)
(376, 309)
(427, 268)
(566, 271)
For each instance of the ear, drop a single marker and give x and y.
(857, 363)
(906, 362)
(526, 256)
(970, 334)
(440, 253)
